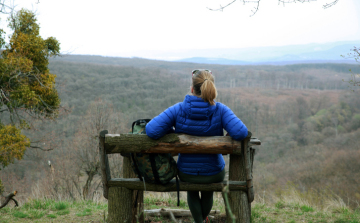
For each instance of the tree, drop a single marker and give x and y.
(27, 88)
(100, 115)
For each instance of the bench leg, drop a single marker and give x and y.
(126, 206)
(238, 200)
(240, 207)
(137, 199)
(120, 209)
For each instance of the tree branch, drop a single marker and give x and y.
(4, 8)
(328, 5)
(38, 147)
(8, 198)
(257, 2)
(222, 7)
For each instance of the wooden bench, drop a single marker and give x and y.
(125, 195)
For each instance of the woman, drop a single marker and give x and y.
(199, 115)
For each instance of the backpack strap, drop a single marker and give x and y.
(135, 165)
(178, 190)
(132, 127)
(153, 167)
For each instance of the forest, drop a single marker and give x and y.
(306, 116)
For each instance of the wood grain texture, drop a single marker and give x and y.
(248, 172)
(136, 184)
(130, 201)
(119, 205)
(173, 143)
(137, 199)
(104, 164)
(238, 200)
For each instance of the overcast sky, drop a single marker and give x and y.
(139, 27)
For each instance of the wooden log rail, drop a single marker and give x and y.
(173, 143)
(125, 195)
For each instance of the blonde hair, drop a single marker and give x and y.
(203, 84)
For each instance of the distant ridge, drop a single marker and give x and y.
(221, 61)
(282, 55)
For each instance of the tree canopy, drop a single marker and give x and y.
(27, 88)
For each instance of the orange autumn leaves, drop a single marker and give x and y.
(12, 144)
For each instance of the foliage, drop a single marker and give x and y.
(27, 88)
(12, 144)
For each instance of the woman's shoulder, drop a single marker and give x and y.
(175, 108)
(221, 106)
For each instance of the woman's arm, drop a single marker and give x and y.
(232, 124)
(163, 123)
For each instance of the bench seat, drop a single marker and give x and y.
(136, 184)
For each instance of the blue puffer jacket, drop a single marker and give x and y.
(196, 117)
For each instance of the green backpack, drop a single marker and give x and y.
(156, 168)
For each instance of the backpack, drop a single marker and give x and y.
(156, 168)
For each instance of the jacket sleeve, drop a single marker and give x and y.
(163, 123)
(232, 124)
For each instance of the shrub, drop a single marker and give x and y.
(280, 204)
(60, 205)
(306, 208)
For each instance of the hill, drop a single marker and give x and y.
(304, 114)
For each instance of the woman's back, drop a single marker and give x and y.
(196, 117)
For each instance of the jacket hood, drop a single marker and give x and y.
(196, 108)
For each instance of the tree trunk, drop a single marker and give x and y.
(90, 173)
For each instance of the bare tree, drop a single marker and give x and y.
(99, 116)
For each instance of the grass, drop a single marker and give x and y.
(290, 207)
(61, 205)
(84, 212)
(35, 214)
(19, 214)
(283, 211)
(55, 211)
(51, 216)
(63, 212)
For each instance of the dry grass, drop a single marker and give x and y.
(287, 205)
